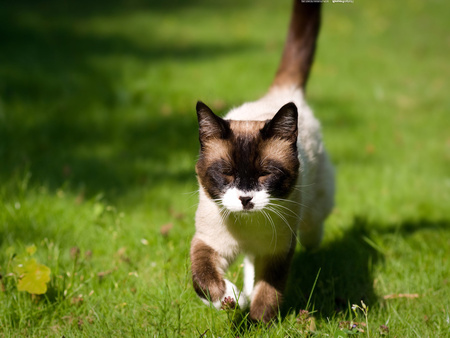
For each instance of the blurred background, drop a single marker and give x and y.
(100, 96)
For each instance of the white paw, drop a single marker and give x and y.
(231, 291)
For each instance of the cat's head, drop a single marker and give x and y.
(244, 164)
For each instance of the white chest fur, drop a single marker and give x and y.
(264, 232)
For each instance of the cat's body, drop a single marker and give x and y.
(265, 181)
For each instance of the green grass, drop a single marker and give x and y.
(98, 141)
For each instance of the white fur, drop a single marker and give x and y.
(314, 189)
(233, 292)
(231, 201)
(249, 276)
(268, 232)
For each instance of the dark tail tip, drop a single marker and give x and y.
(300, 46)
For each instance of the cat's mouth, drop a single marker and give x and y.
(246, 211)
(242, 210)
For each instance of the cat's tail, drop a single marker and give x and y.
(300, 45)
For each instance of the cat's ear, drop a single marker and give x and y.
(211, 125)
(284, 124)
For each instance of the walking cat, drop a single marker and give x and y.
(264, 179)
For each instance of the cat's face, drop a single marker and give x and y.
(245, 164)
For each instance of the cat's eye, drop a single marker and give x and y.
(227, 172)
(264, 173)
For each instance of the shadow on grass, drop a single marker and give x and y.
(343, 272)
(66, 117)
(344, 268)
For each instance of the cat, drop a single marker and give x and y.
(264, 178)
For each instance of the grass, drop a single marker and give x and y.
(98, 141)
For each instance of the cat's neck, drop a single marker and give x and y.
(265, 108)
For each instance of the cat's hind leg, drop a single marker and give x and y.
(318, 205)
(207, 276)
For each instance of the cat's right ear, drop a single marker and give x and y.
(210, 125)
(284, 124)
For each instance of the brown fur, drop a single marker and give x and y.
(246, 166)
(279, 150)
(300, 45)
(246, 128)
(239, 150)
(206, 277)
(216, 149)
(270, 281)
(265, 303)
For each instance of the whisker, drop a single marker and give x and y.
(192, 206)
(280, 215)
(224, 213)
(289, 201)
(191, 193)
(285, 209)
(304, 185)
(276, 168)
(266, 217)
(274, 230)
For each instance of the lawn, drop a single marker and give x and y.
(98, 142)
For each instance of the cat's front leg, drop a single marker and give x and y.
(207, 276)
(270, 281)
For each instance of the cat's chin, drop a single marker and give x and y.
(244, 212)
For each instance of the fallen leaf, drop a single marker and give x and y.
(312, 324)
(165, 229)
(33, 277)
(121, 251)
(77, 300)
(402, 295)
(177, 215)
(102, 274)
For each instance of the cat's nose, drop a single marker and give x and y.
(246, 201)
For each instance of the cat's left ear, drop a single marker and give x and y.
(210, 125)
(284, 124)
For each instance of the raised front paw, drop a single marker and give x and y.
(229, 299)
